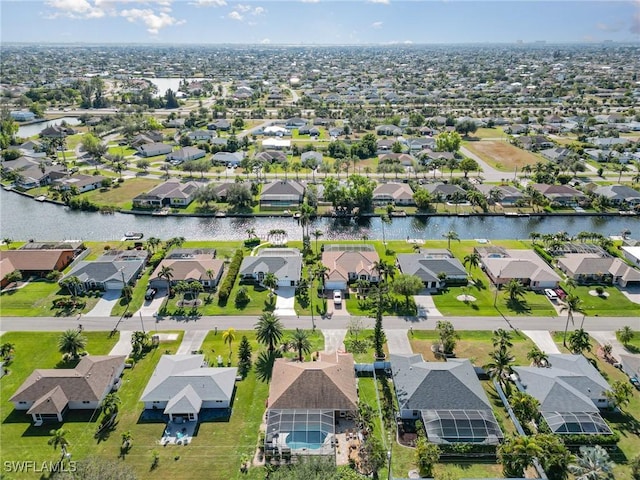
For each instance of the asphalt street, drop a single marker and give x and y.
(150, 323)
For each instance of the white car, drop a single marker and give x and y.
(551, 295)
(337, 297)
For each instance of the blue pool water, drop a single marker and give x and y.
(308, 440)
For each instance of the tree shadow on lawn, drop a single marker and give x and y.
(72, 416)
(518, 306)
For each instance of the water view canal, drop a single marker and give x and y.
(23, 218)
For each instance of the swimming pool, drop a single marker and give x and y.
(310, 440)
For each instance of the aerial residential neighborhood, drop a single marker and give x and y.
(253, 256)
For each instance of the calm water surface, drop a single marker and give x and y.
(32, 129)
(24, 218)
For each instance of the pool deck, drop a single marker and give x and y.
(178, 433)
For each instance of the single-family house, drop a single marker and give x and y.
(619, 194)
(6, 268)
(56, 131)
(347, 264)
(83, 183)
(556, 154)
(632, 254)
(228, 158)
(201, 135)
(446, 191)
(403, 159)
(271, 156)
(282, 194)
(591, 267)
(183, 385)
(435, 267)
(312, 158)
(276, 143)
(560, 194)
(38, 262)
(388, 130)
(422, 143)
(154, 149)
(503, 265)
(284, 263)
(571, 393)
(111, 271)
(393, 192)
(222, 124)
(185, 154)
(505, 195)
(23, 115)
(427, 155)
(306, 401)
(47, 394)
(447, 397)
(535, 142)
(170, 193)
(295, 122)
(189, 265)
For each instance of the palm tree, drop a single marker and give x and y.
(269, 330)
(6, 349)
(592, 464)
(625, 335)
(251, 232)
(300, 341)
(139, 340)
(515, 289)
(271, 282)
(229, 336)
(384, 269)
(59, 437)
(571, 304)
(502, 338)
(153, 243)
(72, 284)
(110, 404)
(166, 272)
(499, 366)
(7, 241)
(472, 260)
(537, 356)
(210, 274)
(127, 438)
(451, 235)
(317, 234)
(579, 341)
(71, 343)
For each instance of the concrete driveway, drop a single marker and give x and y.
(426, 307)
(191, 341)
(123, 346)
(105, 304)
(334, 339)
(334, 310)
(398, 341)
(603, 338)
(150, 307)
(543, 340)
(285, 302)
(632, 293)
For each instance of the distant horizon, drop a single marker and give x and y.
(319, 22)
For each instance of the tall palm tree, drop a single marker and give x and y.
(451, 235)
(166, 272)
(317, 234)
(625, 334)
(593, 463)
(579, 341)
(384, 269)
(300, 341)
(499, 366)
(472, 260)
(110, 404)
(270, 281)
(72, 284)
(515, 289)
(537, 356)
(269, 330)
(571, 304)
(229, 336)
(502, 338)
(71, 343)
(153, 243)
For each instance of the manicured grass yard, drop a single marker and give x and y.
(19, 439)
(123, 193)
(613, 305)
(35, 300)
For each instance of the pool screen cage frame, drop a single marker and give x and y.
(461, 426)
(299, 426)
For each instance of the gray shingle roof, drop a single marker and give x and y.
(428, 268)
(282, 262)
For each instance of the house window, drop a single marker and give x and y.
(86, 401)
(22, 403)
(156, 401)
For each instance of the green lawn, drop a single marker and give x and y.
(123, 193)
(19, 439)
(613, 305)
(35, 300)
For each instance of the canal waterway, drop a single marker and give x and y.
(23, 218)
(26, 131)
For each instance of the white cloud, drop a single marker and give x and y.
(75, 9)
(310, 1)
(243, 8)
(235, 16)
(383, 2)
(242, 11)
(265, 41)
(209, 3)
(376, 25)
(152, 20)
(258, 11)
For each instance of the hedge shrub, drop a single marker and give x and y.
(230, 279)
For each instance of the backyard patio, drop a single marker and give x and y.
(179, 432)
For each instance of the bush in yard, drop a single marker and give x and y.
(230, 279)
(242, 297)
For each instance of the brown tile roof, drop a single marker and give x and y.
(34, 259)
(341, 263)
(6, 267)
(329, 383)
(194, 268)
(87, 382)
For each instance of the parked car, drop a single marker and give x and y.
(635, 382)
(551, 294)
(150, 293)
(337, 297)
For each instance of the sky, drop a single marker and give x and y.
(318, 22)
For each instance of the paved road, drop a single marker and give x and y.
(248, 322)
